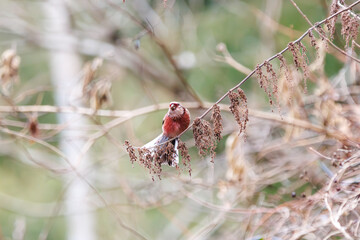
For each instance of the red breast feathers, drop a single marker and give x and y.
(176, 120)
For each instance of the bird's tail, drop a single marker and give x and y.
(152, 146)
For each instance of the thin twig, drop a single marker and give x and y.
(351, 12)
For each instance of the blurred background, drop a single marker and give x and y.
(78, 78)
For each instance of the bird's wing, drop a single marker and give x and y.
(159, 139)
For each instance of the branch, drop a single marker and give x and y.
(351, 12)
(123, 116)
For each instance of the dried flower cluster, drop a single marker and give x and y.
(145, 158)
(350, 27)
(153, 159)
(322, 36)
(298, 51)
(131, 151)
(331, 22)
(272, 81)
(313, 41)
(96, 92)
(346, 27)
(264, 82)
(217, 122)
(185, 156)
(204, 137)
(286, 71)
(239, 109)
(268, 82)
(100, 94)
(89, 71)
(9, 68)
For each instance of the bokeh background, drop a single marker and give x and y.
(89, 75)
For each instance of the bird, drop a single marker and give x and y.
(175, 121)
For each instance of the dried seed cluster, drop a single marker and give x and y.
(285, 68)
(131, 151)
(147, 160)
(331, 22)
(152, 159)
(89, 72)
(322, 36)
(313, 41)
(345, 29)
(33, 126)
(350, 27)
(204, 137)
(9, 68)
(100, 94)
(239, 109)
(217, 122)
(185, 156)
(263, 82)
(268, 82)
(298, 51)
(273, 82)
(96, 92)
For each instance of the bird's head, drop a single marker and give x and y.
(175, 110)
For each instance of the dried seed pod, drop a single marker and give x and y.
(238, 108)
(295, 52)
(153, 158)
(33, 126)
(345, 25)
(260, 76)
(141, 152)
(97, 92)
(185, 157)
(9, 68)
(304, 64)
(145, 157)
(322, 35)
(89, 71)
(217, 122)
(298, 51)
(170, 154)
(156, 166)
(264, 83)
(273, 81)
(313, 42)
(284, 67)
(165, 153)
(100, 94)
(354, 28)
(203, 135)
(131, 151)
(334, 8)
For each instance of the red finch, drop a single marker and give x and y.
(176, 120)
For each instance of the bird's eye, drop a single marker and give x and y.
(173, 106)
